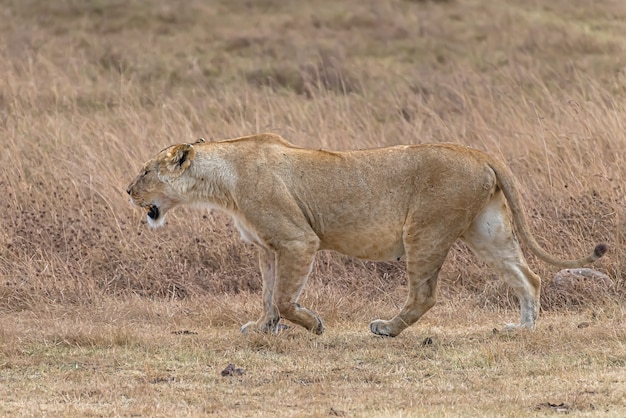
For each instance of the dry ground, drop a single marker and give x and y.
(89, 298)
(139, 358)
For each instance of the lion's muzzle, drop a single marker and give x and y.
(153, 212)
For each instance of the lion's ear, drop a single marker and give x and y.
(179, 158)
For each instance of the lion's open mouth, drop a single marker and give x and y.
(153, 212)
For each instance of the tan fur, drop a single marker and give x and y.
(378, 204)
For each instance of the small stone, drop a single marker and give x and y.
(231, 370)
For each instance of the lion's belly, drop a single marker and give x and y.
(369, 245)
(367, 226)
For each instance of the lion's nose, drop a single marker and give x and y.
(128, 190)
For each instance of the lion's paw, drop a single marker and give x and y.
(319, 330)
(381, 327)
(273, 327)
(513, 327)
(249, 327)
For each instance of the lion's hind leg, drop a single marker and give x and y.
(491, 238)
(426, 251)
(422, 297)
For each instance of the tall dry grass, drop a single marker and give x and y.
(92, 89)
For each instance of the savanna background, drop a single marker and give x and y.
(100, 316)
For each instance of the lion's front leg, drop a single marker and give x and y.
(293, 266)
(268, 322)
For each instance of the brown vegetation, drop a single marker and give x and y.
(90, 89)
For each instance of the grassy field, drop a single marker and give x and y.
(141, 358)
(100, 316)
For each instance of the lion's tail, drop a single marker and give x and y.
(505, 179)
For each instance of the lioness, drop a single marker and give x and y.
(376, 204)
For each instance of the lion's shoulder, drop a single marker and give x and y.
(261, 140)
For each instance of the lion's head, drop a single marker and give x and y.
(160, 185)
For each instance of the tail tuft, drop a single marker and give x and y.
(600, 250)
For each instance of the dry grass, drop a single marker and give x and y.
(141, 358)
(89, 296)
